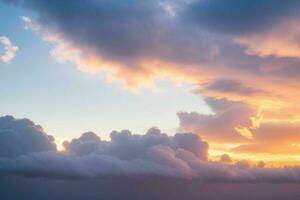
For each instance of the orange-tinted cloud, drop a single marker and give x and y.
(281, 40)
(277, 138)
(228, 124)
(237, 123)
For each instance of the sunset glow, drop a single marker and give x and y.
(203, 91)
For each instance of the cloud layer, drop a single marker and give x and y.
(230, 50)
(183, 155)
(241, 17)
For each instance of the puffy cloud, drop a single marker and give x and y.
(190, 142)
(22, 136)
(225, 158)
(27, 150)
(227, 124)
(9, 49)
(88, 142)
(128, 146)
(152, 154)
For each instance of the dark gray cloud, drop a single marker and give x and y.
(240, 16)
(231, 87)
(21, 136)
(123, 31)
(88, 142)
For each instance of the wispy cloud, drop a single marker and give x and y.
(9, 49)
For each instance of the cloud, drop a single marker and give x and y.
(9, 49)
(233, 87)
(142, 39)
(276, 138)
(125, 145)
(32, 153)
(153, 154)
(237, 122)
(225, 158)
(275, 41)
(22, 136)
(225, 125)
(150, 40)
(240, 17)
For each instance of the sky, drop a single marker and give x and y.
(192, 89)
(68, 102)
